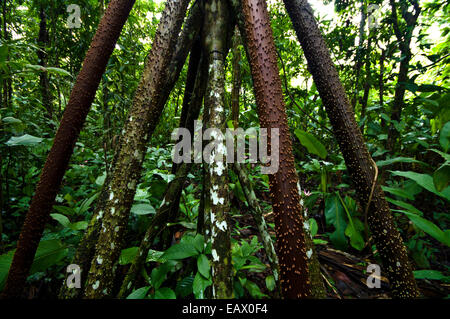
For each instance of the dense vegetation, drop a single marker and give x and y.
(393, 60)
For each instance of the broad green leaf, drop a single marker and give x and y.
(11, 120)
(203, 265)
(25, 140)
(49, 253)
(159, 273)
(429, 274)
(312, 144)
(313, 226)
(165, 293)
(184, 286)
(155, 256)
(407, 206)
(444, 137)
(139, 293)
(143, 209)
(199, 285)
(441, 177)
(398, 192)
(180, 251)
(353, 229)
(428, 227)
(334, 215)
(254, 290)
(63, 220)
(399, 160)
(270, 282)
(424, 180)
(81, 225)
(127, 255)
(58, 71)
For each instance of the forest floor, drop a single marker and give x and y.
(344, 273)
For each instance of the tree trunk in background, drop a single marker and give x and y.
(289, 223)
(144, 116)
(357, 158)
(257, 213)
(215, 43)
(236, 78)
(367, 81)
(359, 51)
(44, 85)
(74, 116)
(404, 40)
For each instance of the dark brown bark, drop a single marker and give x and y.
(291, 248)
(74, 116)
(357, 158)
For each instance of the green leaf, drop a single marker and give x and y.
(399, 160)
(312, 144)
(25, 140)
(165, 293)
(203, 265)
(63, 220)
(407, 206)
(334, 215)
(254, 290)
(270, 282)
(429, 274)
(199, 285)
(398, 192)
(428, 227)
(180, 251)
(81, 225)
(143, 209)
(139, 293)
(155, 256)
(313, 226)
(158, 274)
(184, 286)
(49, 253)
(11, 120)
(444, 138)
(441, 177)
(127, 255)
(424, 180)
(58, 71)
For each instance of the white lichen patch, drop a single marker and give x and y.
(219, 168)
(111, 196)
(131, 185)
(96, 285)
(214, 255)
(100, 215)
(216, 199)
(309, 253)
(306, 225)
(222, 225)
(137, 155)
(99, 260)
